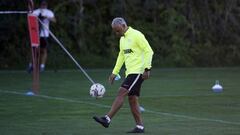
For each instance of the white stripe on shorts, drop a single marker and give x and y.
(134, 82)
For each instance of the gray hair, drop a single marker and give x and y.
(118, 21)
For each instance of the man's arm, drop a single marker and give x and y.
(117, 68)
(53, 19)
(148, 54)
(50, 16)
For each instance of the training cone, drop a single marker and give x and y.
(217, 88)
(141, 109)
(30, 93)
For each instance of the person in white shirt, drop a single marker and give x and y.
(46, 16)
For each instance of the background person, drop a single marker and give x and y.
(136, 53)
(46, 16)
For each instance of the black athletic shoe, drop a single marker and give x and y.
(42, 69)
(136, 130)
(102, 121)
(29, 69)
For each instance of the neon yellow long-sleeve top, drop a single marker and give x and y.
(135, 52)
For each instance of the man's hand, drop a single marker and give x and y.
(53, 19)
(146, 75)
(111, 78)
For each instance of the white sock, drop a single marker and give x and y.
(42, 65)
(108, 119)
(139, 126)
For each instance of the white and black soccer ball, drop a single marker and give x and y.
(97, 90)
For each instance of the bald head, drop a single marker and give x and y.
(119, 26)
(118, 21)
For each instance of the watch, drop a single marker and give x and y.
(147, 69)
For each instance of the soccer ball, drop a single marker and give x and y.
(97, 90)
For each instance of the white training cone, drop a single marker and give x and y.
(217, 87)
(141, 109)
(30, 93)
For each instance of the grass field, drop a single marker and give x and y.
(177, 102)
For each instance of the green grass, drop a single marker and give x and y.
(177, 102)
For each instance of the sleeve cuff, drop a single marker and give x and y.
(147, 69)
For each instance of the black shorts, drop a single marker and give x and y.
(43, 42)
(133, 84)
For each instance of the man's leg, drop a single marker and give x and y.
(118, 102)
(44, 55)
(43, 58)
(134, 105)
(44, 52)
(30, 67)
(116, 105)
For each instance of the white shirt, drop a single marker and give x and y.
(46, 13)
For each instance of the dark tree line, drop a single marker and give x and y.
(182, 33)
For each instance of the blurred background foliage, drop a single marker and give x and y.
(182, 33)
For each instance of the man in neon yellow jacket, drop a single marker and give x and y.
(136, 53)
